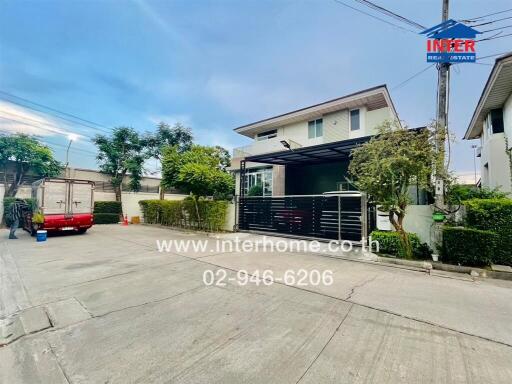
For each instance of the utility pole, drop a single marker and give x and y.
(442, 121)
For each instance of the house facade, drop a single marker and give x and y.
(305, 152)
(492, 125)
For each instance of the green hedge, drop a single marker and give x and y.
(467, 246)
(389, 243)
(108, 207)
(493, 215)
(106, 218)
(183, 213)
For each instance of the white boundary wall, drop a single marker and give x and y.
(130, 199)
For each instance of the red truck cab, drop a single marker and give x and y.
(65, 204)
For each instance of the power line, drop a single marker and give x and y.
(412, 77)
(55, 110)
(492, 21)
(495, 54)
(484, 16)
(40, 122)
(495, 37)
(39, 127)
(46, 141)
(392, 14)
(373, 16)
(497, 29)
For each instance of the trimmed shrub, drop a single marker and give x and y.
(108, 207)
(493, 215)
(389, 243)
(184, 213)
(106, 218)
(460, 193)
(467, 246)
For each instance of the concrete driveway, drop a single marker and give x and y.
(107, 307)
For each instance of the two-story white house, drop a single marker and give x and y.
(492, 124)
(305, 152)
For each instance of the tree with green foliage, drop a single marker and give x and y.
(177, 136)
(388, 164)
(201, 171)
(21, 154)
(120, 154)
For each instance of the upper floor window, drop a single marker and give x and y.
(494, 122)
(354, 120)
(266, 135)
(315, 128)
(497, 120)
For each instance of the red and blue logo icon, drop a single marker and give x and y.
(451, 42)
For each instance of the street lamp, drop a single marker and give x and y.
(71, 137)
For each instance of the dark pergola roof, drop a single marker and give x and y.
(322, 153)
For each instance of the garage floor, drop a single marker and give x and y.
(107, 307)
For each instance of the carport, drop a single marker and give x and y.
(318, 202)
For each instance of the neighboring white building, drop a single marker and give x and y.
(348, 119)
(492, 124)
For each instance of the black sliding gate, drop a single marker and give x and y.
(340, 216)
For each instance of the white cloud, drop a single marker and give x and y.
(16, 119)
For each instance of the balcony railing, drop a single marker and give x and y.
(264, 146)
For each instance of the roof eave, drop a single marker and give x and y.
(276, 119)
(474, 131)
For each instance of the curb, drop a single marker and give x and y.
(428, 265)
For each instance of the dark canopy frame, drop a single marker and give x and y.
(315, 154)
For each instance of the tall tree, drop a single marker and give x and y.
(177, 136)
(20, 154)
(388, 164)
(122, 153)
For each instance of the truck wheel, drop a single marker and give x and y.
(81, 231)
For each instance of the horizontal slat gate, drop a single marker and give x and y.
(321, 216)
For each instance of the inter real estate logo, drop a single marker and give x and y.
(451, 42)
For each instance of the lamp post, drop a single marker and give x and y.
(474, 159)
(72, 137)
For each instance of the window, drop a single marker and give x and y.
(354, 120)
(266, 135)
(262, 177)
(497, 120)
(315, 128)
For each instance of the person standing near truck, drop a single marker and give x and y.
(15, 215)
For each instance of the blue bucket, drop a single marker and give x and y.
(41, 235)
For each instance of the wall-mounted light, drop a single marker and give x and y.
(286, 144)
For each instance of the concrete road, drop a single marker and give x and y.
(107, 307)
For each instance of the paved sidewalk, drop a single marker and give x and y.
(119, 311)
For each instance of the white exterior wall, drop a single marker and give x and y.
(507, 119)
(336, 127)
(377, 117)
(494, 161)
(130, 200)
(418, 220)
(298, 132)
